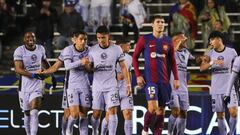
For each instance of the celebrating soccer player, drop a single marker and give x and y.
(179, 102)
(220, 59)
(103, 58)
(29, 59)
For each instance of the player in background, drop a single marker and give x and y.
(103, 58)
(220, 59)
(179, 102)
(158, 52)
(126, 102)
(78, 85)
(65, 105)
(29, 59)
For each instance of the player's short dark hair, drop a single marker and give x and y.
(102, 29)
(156, 17)
(123, 40)
(79, 32)
(215, 34)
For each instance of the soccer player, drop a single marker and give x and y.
(158, 52)
(179, 102)
(126, 102)
(103, 58)
(65, 105)
(220, 59)
(29, 59)
(78, 86)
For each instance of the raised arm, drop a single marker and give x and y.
(53, 68)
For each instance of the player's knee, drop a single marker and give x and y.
(220, 115)
(160, 111)
(127, 114)
(234, 114)
(112, 110)
(74, 114)
(175, 112)
(66, 113)
(96, 114)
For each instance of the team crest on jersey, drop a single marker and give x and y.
(104, 56)
(220, 58)
(153, 54)
(165, 47)
(34, 57)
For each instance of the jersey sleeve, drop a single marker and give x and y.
(60, 57)
(120, 54)
(137, 51)
(18, 54)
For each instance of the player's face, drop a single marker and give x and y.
(126, 47)
(29, 39)
(215, 42)
(81, 40)
(158, 25)
(103, 39)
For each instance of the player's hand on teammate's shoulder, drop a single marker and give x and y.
(140, 81)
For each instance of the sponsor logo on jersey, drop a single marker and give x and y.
(151, 46)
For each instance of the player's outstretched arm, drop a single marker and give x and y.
(53, 68)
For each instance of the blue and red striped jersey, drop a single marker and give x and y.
(159, 58)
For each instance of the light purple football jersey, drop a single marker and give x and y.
(128, 62)
(32, 62)
(236, 65)
(221, 74)
(104, 64)
(78, 77)
(182, 57)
